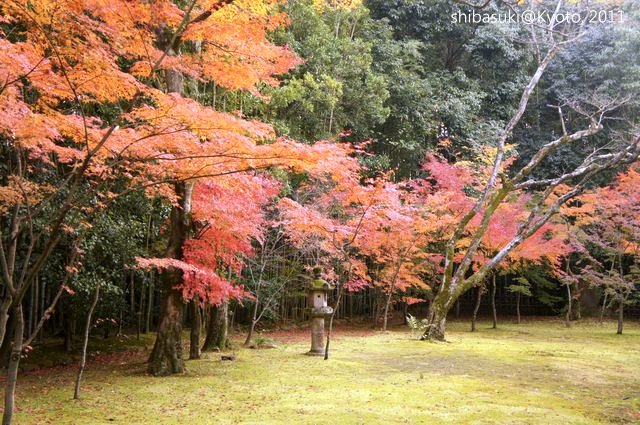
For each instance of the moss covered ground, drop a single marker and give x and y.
(533, 373)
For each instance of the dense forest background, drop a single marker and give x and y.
(398, 74)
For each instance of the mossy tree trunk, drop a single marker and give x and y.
(166, 357)
(438, 310)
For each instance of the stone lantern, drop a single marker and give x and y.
(318, 308)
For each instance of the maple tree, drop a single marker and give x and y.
(364, 235)
(446, 196)
(227, 216)
(326, 229)
(267, 273)
(393, 238)
(546, 246)
(606, 226)
(499, 183)
(62, 60)
(100, 100)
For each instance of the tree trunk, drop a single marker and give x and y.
(518, 306)
(247, 341)
(620, 317)
(166, 357)
(196, 325)
(147, 320)
(141, 309)
(386, 311)
(7, 343)
(28, 324)
(604, 306)
(476, 308)
(120, 321)
(437, 320)
(233, 317)
(174, 79)
(4, 317)
(69, 329)
(254, 320)
(132, 294)
(14, 362)
(85, 342)
(218, 328)
(493, 302)
(567, 317)
(333, 315)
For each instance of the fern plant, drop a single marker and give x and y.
(416, 325)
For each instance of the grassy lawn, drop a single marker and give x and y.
(537, 373)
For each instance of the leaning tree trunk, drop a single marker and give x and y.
(196, 325)
(604, 307)
(85, 342)
(254, 320)
(493, 302)
(166, 357)
(620, 316)
(518, 306)
(218, 328)
(14, 362)
(331, 317)
(474, 318)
